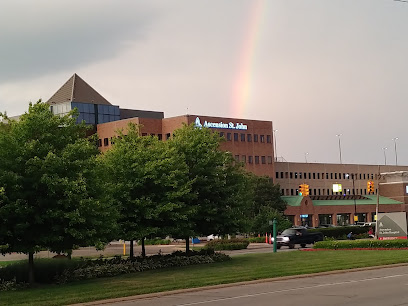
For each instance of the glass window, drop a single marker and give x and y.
(256, 159)
(229, 136)
(235, 136)
(243, 158)
(250, 159)
(92, 118)
(105, 142)
(326, 219)
(111, 110)
(262, 138)
(242, 137)
(237, 158)
(249, 137)
(255, 137)
(268, 138)
(160, 136)
(343, 219)
(99, 142)
(270, 160)
(263, 159)
(221, 134)
(167, 135)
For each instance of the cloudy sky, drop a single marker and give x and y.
(316, 68)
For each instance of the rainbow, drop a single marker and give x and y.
(242, 86)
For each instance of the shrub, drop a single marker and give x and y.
(228, 244)
(340, 232)
(361, 244)
(256, 239)
(64, 270)
(156, 241)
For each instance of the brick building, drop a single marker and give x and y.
(251, 142)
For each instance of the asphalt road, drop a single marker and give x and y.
(382, 286)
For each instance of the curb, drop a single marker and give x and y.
(243, 283)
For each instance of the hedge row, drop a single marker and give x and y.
(340, 232)
(361, 244)
(64, 270)
(156, 242)
(256, 239)
(228, 244)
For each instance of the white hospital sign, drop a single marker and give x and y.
(220, 125)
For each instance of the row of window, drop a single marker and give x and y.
(107, 140)
(319, 191)
(342, 219)
(322, 176)
(250, 159)
(246, 137)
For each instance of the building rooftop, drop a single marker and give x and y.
(341, 200)
(77, 90)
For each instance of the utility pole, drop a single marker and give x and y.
(395, 149)
(378, 203)
(339, 135)
(385, 156)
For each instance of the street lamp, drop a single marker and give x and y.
(385, 155)
(395, 149)
(306, 154)
(274, 139)
(339, 135)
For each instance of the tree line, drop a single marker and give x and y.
(58, 192)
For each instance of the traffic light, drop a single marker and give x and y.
(304, 190)
(301, 190)
(370, 187)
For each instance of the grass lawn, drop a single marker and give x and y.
(5, 263)
(240, 268)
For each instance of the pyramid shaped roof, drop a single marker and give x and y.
(77, 90)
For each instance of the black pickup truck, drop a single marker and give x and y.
(297, 235)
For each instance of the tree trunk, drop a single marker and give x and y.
(69, 254)
(31, 278)
(143, 247)
(132, 255)
(187, 245)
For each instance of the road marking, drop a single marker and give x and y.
(292, 289)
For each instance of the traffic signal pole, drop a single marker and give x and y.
(274, 235)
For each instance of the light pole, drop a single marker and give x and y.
(274, 140)
(306, 154)
(339, 135)
(395, 149)
(385, 155)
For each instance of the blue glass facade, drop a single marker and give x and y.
(96, 113)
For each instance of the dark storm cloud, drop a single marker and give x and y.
(39, 37)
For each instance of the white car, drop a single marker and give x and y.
(212, 237)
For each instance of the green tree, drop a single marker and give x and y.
(217, 184)
(265, 204)
(49, 198)
(147, 181)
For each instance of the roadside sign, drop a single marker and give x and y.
(392, 226)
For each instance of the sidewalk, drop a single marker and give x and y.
(116, 248)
